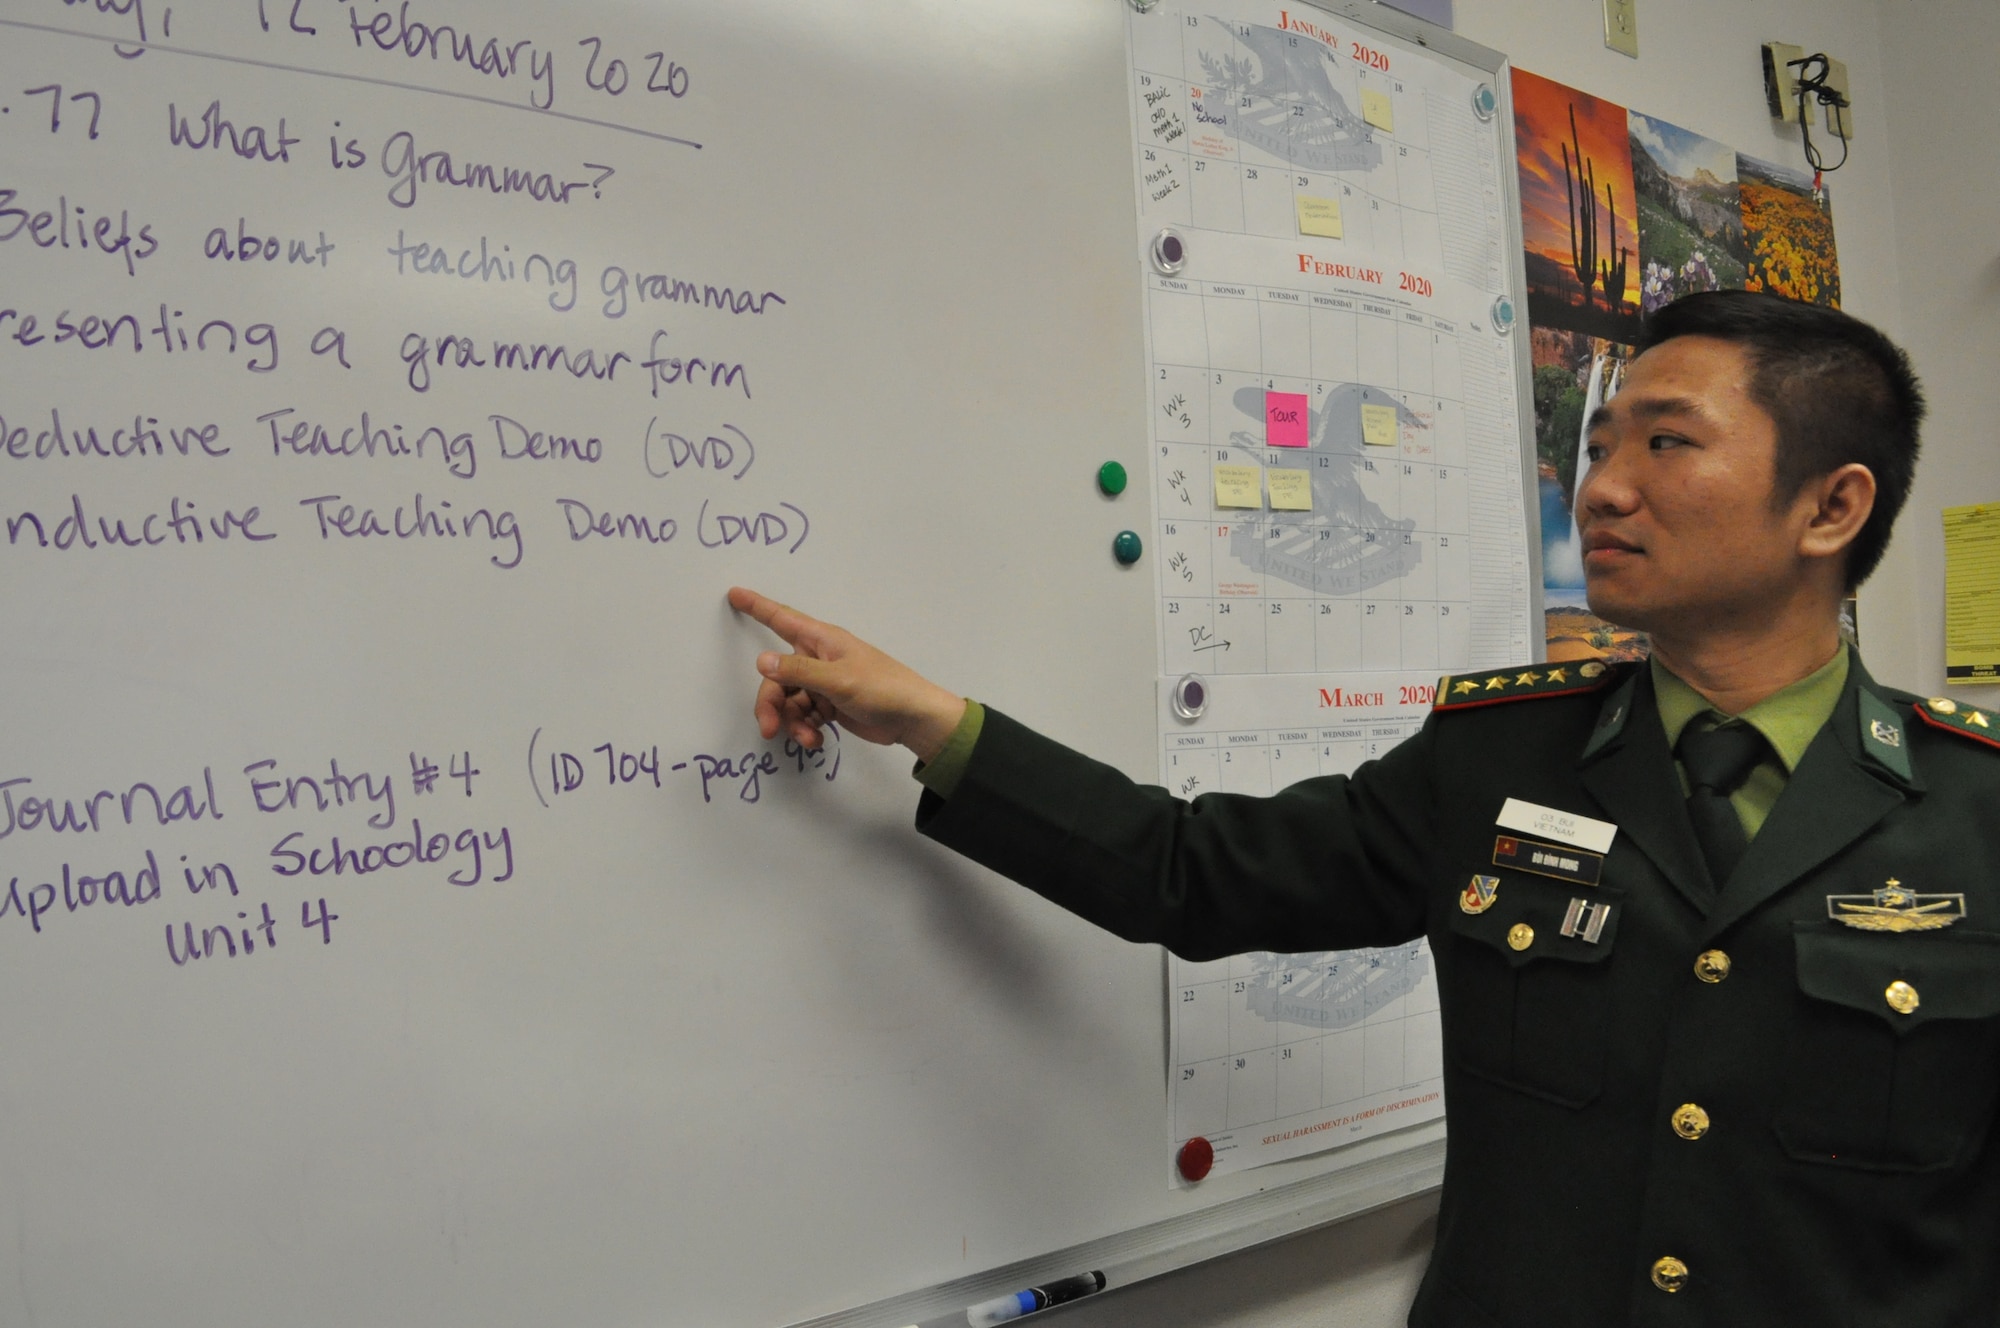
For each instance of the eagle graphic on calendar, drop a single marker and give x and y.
(1346, 544)
(1333, 989)
(1279, 96)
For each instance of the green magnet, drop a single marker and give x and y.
(1126, 548)
(1111, 479)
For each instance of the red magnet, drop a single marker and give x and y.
(1197, 1155)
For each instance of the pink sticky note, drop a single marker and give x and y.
(1285, 418)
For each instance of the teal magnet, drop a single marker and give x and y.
(1126, 548)
(1111, 479)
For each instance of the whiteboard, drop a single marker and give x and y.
(403, 921)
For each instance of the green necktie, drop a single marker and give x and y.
(1717, 761)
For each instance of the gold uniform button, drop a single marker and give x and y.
(1669, 1274)
(1520, 936)
(1711, 966)
(1902, 997)
(1690, 1121)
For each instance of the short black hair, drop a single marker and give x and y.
(1838, 390)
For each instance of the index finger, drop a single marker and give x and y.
(794, 627)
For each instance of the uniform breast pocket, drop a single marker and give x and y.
(1527, 983)
(1892, 1064)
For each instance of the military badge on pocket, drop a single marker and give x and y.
(1478, 896)
(1892, 908)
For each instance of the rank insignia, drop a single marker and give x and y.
(1892, 908)
(1467, 690)
(1586, 920)
(1478, 896)
(1966, 721)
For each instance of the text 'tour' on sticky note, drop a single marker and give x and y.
(1378, 426)
(1286, 416)
(1239, 486)
(1319, 216)
(1291, 489)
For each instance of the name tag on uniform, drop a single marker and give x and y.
(1563, 827)
(1558, 860)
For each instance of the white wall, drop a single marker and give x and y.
(1919, 256)
(1936, 56)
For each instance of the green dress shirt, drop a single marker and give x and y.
(1789, 719)
(942, 774)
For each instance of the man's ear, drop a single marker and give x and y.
(1836, 506)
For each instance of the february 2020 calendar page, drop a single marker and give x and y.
(1337, 478)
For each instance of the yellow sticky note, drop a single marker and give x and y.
(1291, 490)
(1319, 216)
(1378, 110)
(1239, 486)
(1378, 426)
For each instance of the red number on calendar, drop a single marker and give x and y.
(1371, 57)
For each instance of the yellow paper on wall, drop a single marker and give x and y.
(1378, 426)
(1972, 594)
(1239, 486)
(1378, 110)
(1291, 490)
(1319, 216)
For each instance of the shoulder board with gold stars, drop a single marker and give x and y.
(1954, 717)
(1463, 691)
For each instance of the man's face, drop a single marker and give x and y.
(1679, 534)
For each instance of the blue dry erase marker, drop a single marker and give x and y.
(988, 1313)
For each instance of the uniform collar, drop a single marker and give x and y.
(1853, 773)
(1789, 718)
(1856, 772)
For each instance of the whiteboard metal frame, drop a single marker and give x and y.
(1134, 1256)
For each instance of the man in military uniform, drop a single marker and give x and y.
(1717, 936)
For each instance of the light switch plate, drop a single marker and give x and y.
(1839, 121)
(1621, 26)
(1781, 84)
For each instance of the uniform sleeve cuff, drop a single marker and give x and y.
(942, 773)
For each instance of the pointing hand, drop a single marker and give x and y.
(834, 676)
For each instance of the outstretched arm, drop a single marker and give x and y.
(834, 676)
(1326, 864)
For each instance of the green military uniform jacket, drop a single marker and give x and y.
(1784, 1116)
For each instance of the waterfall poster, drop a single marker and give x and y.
(1580, 226)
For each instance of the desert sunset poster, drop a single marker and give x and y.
(1579, 210)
